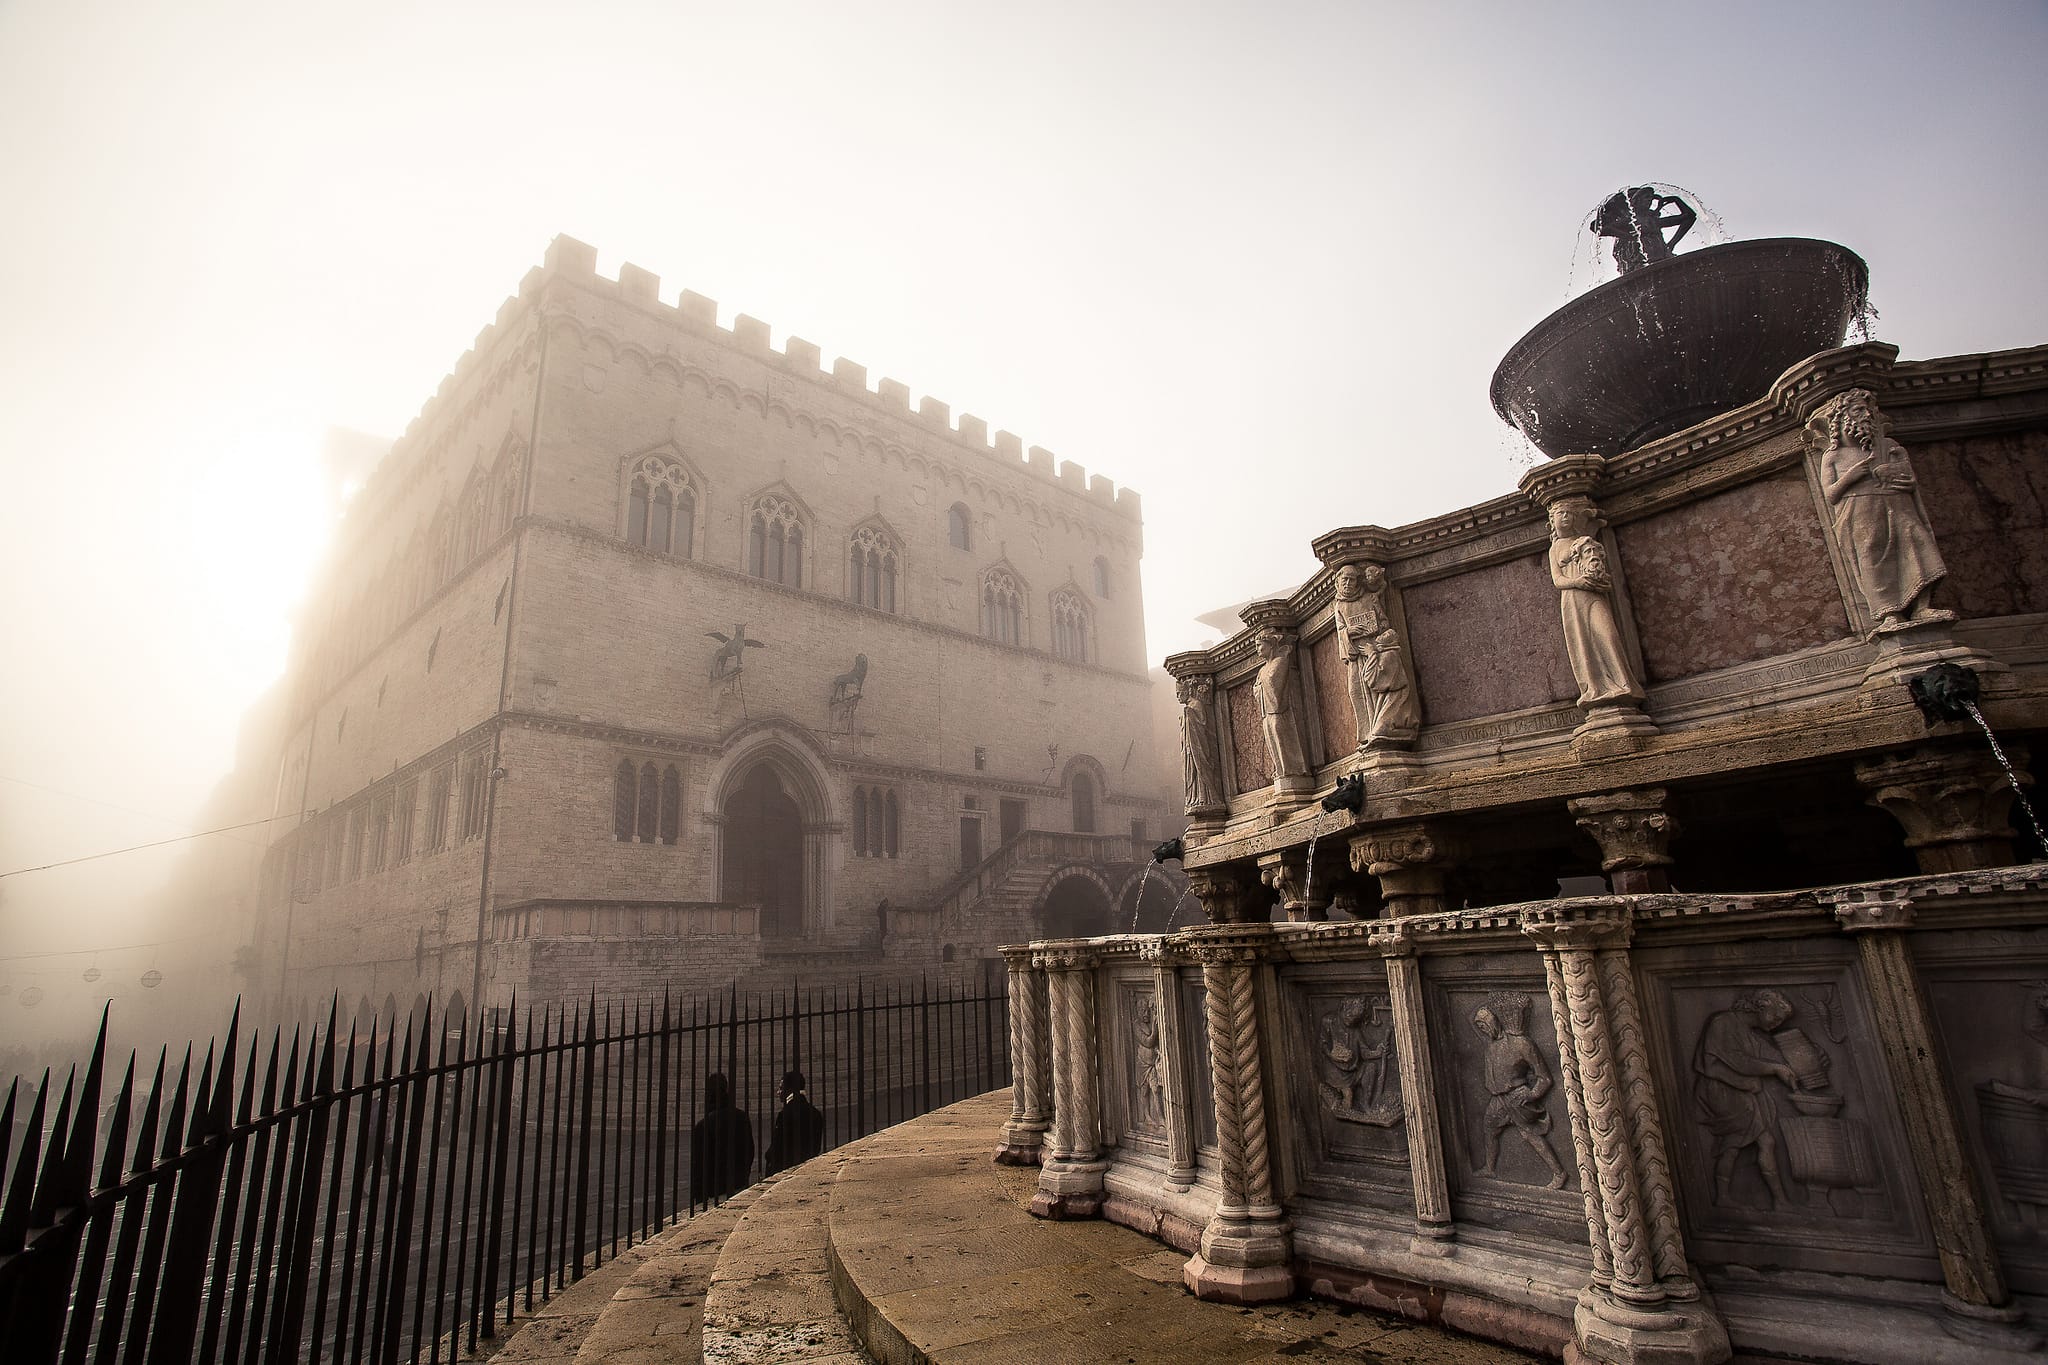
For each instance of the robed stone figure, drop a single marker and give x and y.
(1382, 692)
(1201, 762)
(1585, 597)
(1869, 486)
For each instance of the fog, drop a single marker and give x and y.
(1257, 262)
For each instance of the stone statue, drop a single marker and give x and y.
(846, 688)
(1517, 1081)
(1274, 690)
(1636, 219)
(1382, 692)
(1869, 483)
(1585, 594)
(732, 656)
(1150, 1110)
(1201, 767)
(1735, 1058)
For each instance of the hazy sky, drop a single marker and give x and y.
(1258, 261)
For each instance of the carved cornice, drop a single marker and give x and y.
(1220, 945)
(1860, 911)
(1017, 956)
(1568, 476)
(1272, 614)
(1354, 545)
(1065, 955)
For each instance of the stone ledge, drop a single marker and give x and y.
(933, 1258)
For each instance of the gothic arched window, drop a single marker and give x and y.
(871, 568)
(775, 540)
(960, 527)
(1073, 626)
(647, 803)
(1002, 607)
(661, 507)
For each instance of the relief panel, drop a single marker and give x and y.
(1139, 1063)
(1733, 577)
(1344, 1086)
(1988, 990)
(1487, 641)
(1507, 1135)
(1248, 740)
(1784, 1130)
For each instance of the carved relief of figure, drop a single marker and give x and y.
(1382, 692)
(1150, 1109)
(1517, 1081)
(1274, 691)
(1734, 1060)
(1351, 1066)
(2014, 1115)
(1868, 482)
(1585, 595)
(1201, 768)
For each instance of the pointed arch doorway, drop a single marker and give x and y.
(764, 852)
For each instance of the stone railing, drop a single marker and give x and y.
(1630, 1127)
(985, 876)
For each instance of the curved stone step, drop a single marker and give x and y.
(771, 1297)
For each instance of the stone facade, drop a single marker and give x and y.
(533, 756)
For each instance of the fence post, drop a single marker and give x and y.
(575, 1266)
(193, 1204)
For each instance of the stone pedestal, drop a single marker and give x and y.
(1406, 861)
(1070, 1176)
(1248, 1244)
(1634, 833)
(1953, 801)
(1023, 1137)
(1643, 1304)
(1288, 874)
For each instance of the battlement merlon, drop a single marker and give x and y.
(570, 259)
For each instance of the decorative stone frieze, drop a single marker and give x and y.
(1070, 1175)
(1634, 833)
(1954, 803)
(1287, 873)
(1643, 1303)
(1433, 1228)
(1023, 1137)
(1247, 1245)
(1229, 895)
(1406, 859)
(1977, 1296)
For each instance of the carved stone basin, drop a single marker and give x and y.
(1675, 342)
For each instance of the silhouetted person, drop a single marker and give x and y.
(721, 1145)
(799, 1128)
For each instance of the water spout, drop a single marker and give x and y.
(1349, 794)
(1946, 692)
(1173, 848)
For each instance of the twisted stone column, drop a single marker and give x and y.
(1070, 1176)
(1030, 1097)
(1975, 1293)
(1643, 1304)
(1180, 1113)
(1247, 1245)
(1433, 1230)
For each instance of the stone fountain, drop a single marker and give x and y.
(1676, 339)
(1781, 1086)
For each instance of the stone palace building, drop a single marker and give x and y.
(654, 656)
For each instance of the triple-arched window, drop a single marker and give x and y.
(871, 568)
(1002, 607)
(960, 527)
(877, 823)
(775, 540)
(647, 803)
(1073, 626)
(661, 507)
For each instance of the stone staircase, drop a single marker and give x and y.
(913, 1247)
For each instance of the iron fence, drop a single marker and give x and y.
(377, 1198)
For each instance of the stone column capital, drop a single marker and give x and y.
(1395, 848)
(1017, 957)
(1634, 831)
(1953, 802)
(1584, 927)
(1394, 939)
(1229, 894)
(1859, 913)
(1286, 872)
(1064, 957)
(1227, 945)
